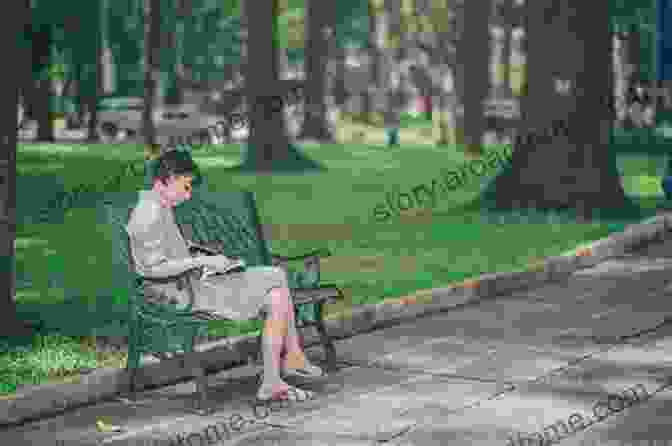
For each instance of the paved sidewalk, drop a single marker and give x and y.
(486, 373)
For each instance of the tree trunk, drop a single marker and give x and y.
(664, 57)
(379, 62)
(74, 93)
(620, 80)
(244, 35)
(108, 81)
(10, 26)
(92, 109)
(473, 69)
(372, 51)
(27, 92)
(633, 53)
(183, 9)
(394, 95)
(319, 19)
(506, 48)
(340, 93)
(78, 93)
(442, 58)
(339, 84)
(41, 58)
(43, 115)
(95, 90)
(268, 146)
(563, 161)
(152, 70)
(451, 127)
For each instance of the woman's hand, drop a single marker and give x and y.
(216, 261)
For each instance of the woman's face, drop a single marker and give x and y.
(177, 189)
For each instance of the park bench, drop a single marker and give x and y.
(225, 222)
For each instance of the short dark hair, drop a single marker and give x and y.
(176, 162)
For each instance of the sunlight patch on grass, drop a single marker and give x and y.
(208, 162)
(28, 295)
(32, 168)
(642, 185)
(57, 149)
(391, 165)
(25, 242)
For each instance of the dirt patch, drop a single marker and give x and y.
(317, 232)
(416, 215)
(367, 264)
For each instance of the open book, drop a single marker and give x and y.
(227, 265)
(206, 249)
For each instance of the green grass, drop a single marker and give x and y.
(421, 248)
(409, 120)
(51, 357)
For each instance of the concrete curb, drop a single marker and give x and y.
(102, 384)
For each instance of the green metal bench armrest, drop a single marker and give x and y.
(325, 293)
(309, 277)
(323, 252)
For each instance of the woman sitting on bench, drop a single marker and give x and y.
(159, 250)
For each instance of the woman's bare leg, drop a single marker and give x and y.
(280, 333)
(295, 358)
(273, 340)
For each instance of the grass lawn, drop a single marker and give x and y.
(419, 249)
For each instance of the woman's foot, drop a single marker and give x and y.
(296, 364)
(283, 392)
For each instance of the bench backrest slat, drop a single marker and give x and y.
(115, 209)
(227, 218)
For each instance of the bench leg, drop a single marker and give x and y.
(325, 340)
(259, 357)
(201, 380)
(198, 372)
(132, 365)
(129, 398)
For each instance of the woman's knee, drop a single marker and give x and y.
(277, 273)
(279, 298)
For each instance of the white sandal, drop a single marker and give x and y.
(307, 371)
(293, 394)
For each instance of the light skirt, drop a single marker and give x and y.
(241, 295)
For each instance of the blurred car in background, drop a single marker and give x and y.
(121, 117)
(117, 115)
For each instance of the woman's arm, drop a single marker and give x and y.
(147, 247)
